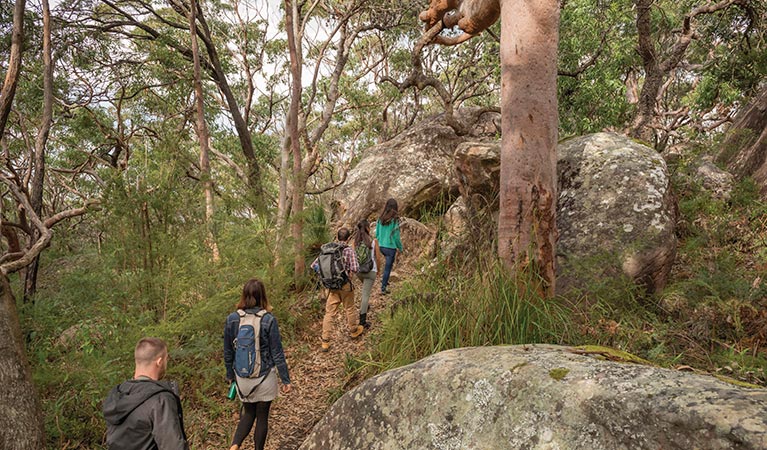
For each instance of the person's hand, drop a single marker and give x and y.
(285, 388)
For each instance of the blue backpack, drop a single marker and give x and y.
(247, 353)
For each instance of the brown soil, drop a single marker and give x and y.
(318, 377)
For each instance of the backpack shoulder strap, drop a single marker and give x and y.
(241, 313)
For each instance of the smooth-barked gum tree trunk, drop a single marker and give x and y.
(527, 220)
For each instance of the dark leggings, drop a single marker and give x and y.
(253, 412)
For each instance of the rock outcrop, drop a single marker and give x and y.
(541, 397)
(478, 169)
(615, 212)
(713, 179)
(744, 149)
(470, 222)
(415, 167)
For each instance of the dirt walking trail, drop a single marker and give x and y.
(319, 378)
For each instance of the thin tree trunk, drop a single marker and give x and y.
(640, 126)
(38, 176)
(527, 218)
(14, 65)
(283, 208)
(240, 122)
(657, 68)
(21, 420)
(203, 136)
(294, 47)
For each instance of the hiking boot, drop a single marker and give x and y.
(325, 346)
(385, 292)
(357, 331)
(364, 320)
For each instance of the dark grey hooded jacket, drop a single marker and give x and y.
(144, 414)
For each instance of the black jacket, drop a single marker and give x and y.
(144, 414)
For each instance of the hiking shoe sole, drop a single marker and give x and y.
(356, 333)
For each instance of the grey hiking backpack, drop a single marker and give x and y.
(247, 351)
(331, 265)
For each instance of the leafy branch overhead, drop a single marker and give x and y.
(418, 79)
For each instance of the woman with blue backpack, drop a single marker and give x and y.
(253, 356)
(388, 235)
(369, 259)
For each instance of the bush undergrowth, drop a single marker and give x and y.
(448, 309)
(92, 309)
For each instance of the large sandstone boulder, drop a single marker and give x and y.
(615, 214)
(415, 167)
(541, 397)
(478, 169)
(615, 211)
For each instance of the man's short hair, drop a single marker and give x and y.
(343, 234)
(148, 350)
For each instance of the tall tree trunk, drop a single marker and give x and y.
(38, 175)
(203, 136)
(21, 421)
(527, 218)
(292, 21)
(8, 90)
(21, 424)
(240, 122)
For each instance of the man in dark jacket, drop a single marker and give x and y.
(145, 413)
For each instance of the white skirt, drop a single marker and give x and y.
(261, 389)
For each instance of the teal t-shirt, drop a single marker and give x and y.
(388, 235)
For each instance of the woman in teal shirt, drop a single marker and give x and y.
(387, 233)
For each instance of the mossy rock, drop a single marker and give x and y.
(610, 354)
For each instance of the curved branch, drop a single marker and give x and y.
(420, 81)
(42, 241)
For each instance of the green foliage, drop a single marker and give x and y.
(106, 305)
(718, 298)
(140, 266)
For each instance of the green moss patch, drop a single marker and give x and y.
(559, 373)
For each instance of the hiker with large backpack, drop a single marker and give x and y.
(336, 263)
(388, 235)
(369, 259)
(253, 356)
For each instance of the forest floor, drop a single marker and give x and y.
(318, 377)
